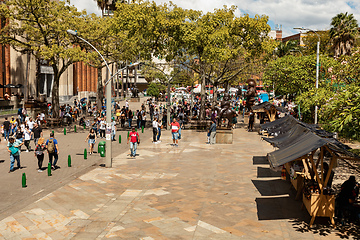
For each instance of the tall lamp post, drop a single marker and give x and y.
(317, 65)
(108, 160)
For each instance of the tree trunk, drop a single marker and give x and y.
(100, 90)
(55, 103)
(214, 95)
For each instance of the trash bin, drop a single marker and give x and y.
(101, 148)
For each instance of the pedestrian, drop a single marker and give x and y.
(143, 120)
(91, 137)
(251, 121)
(102, 128)
(37, 133)
(175, 131)
(181, 124)
(234, 120)
(39, 152)
(27, 138)
(155, 126)
(138, 120)
(134, 139)
(6, 129)
(159, 130)
(212, 132)
(130, 117)
(53, 150)
(13, 147)
(113, 129)
(13, 125)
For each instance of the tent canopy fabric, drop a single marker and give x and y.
(308, 143)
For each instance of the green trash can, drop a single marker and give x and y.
(101, 148)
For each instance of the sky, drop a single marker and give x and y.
(312, 14)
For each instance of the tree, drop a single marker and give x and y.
(286, 48)
(215, 41)
(154, 89)
(343, 31)
(39, 27)
(310, 42)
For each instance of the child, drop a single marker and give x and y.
(39, 153)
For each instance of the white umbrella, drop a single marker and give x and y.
(221, 90)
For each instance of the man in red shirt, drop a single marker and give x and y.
(175, 126)
(134, 139)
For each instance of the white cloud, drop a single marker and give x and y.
(314, 14)
(89, 5)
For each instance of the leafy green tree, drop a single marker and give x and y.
(310, 42)
(154, 89)
(39, 27)
(343, 31)
(287, 48)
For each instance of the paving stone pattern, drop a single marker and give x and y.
(194, 191)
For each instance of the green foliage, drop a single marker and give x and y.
(39, 27)
(286, 48)
(344, 30)
(310, 42)
(341, 113)
(292, 75)
(154, 89)
(348, 69)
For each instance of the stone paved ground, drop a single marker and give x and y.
(194, 191)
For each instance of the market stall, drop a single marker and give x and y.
(303, 154)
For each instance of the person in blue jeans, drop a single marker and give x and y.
(53, 150)
(134, 139)
(159, 130)
(6, 129)
(13, 147)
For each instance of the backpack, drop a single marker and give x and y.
(51, 146)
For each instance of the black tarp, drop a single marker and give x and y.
(289, 137)
(308, 143)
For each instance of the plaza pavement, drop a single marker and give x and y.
(194, 191)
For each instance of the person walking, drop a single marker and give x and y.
(27, 138)
(251, 121)
(159, 130)
(13, 147)
(113, 129)
(37, 133)
(143, 120)
(39, 152)
(53, 150)
(155, 126)
(6, 129)
(91, 138)
(134, 139)
(212, 132)
(130, 117)
(102, 128)
(175, 131)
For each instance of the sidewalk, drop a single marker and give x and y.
(194, 191)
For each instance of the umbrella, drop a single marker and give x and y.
(181, 88)
(221, 90)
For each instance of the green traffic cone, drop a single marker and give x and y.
(75, 128)
(24, 180)
(142, 129)
(49, 169)
(119, 138)
(128, 134)
(84, 126)
(64, 131)
(52, 131)
(69, 161)
(85, 154)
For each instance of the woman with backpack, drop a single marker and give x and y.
(53, 150)
(39, 153)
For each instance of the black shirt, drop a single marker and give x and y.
(6, 125)
(37, 132)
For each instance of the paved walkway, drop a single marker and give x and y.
(194, 191)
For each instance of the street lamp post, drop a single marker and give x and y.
(317, 66)
(108, 160)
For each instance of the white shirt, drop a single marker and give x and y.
(113, 126)
(27, 134)
(30, 124)
(103, 125)
(155, 124)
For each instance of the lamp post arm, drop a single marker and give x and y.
(97, 52)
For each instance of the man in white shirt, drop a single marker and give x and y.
(155, 126)
(127, 105)
(31, 124)
(102, 128)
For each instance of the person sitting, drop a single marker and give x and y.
(346, 199)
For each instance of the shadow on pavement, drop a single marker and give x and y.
(274, 187)
(267, 172)
(260, 160)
